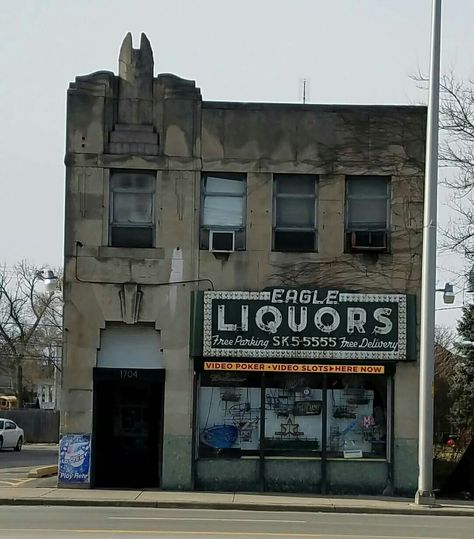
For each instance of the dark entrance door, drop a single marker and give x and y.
(127, 431)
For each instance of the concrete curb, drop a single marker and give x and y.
(44, 471)
(410, 510)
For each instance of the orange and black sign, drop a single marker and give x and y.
(292, 367)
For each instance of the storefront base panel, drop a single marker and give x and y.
(177, 458)
(406, 466)
(228, 475)
(292, 475)
(356, 476)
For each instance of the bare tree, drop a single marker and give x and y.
(457, 152)
(30, 320)
(445, 361)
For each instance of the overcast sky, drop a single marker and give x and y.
(351, 51)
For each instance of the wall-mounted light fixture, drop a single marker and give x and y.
(448, 293)
(49, 279)
(470, 281)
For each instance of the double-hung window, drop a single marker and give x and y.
(132, 209)
(223, 203)
(367, 213)
(295, 203)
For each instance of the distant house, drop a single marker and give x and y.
(6, 385)
(39, 384)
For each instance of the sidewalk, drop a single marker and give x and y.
(236, 501)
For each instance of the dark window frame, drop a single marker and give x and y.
(289, 230)
(377, 237)
(147, 227)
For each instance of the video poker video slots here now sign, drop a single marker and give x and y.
(303, 323)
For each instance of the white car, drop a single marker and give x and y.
(11, 436)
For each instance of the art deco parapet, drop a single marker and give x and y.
(89, 113)
(134, 113)
(134, 131)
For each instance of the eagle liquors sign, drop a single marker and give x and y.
(297, 323)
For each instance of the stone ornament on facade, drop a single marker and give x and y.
(130, 299)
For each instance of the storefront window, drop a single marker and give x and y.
(229, 414)
(293, 414)
(357, 416)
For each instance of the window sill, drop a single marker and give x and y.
(372, 252)
(267, 457)
(363, 459)
(289, 457)
(294, 252)
(239, 250)
(229, 457)
(155, 253)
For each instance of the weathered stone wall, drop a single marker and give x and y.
(191, 136)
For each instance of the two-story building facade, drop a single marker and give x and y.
(240, 289)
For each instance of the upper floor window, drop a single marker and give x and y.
(367, 213)
(295, 212)
(132, 209)
(223, 212)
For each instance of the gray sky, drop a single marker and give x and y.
(352, 51)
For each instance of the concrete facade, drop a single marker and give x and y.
(136, 121)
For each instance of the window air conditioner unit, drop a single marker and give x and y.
(368, 240)
(222, 241)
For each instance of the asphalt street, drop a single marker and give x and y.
(17, 522)
(14, 466)
(30, 455)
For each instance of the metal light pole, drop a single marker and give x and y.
(425, 494)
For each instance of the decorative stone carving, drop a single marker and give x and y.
(135, 82)
(130, 300)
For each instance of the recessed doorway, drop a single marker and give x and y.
(127, 430)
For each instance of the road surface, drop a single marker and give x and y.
(17, 522)
(31, 455)
(14, 466)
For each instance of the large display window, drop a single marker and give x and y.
(229, 414)
(356, 416)
(283, 414)
(293, 414)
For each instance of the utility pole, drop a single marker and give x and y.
(425, 494)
